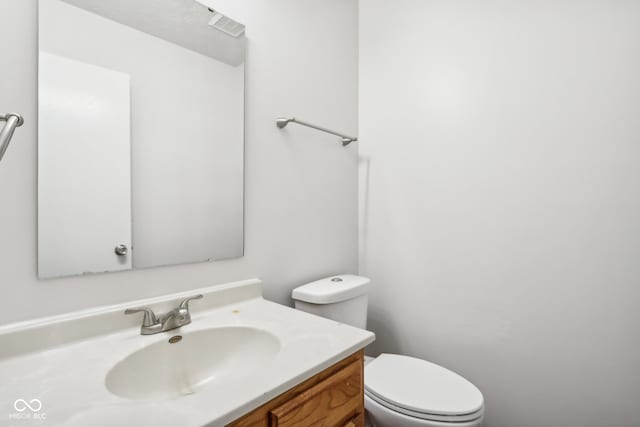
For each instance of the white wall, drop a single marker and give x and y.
(500, 188)
(301, 186)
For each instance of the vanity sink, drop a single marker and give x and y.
(180, 364)
(237, 352)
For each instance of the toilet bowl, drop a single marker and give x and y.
(400, 391)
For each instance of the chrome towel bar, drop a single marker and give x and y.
(283, 121)
(13, 121)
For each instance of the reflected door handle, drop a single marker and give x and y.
(121, 250)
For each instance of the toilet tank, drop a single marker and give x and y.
(342, 298)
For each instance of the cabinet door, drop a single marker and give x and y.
(357, 421)
(333, 402)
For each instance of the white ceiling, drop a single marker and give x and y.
(183, 22)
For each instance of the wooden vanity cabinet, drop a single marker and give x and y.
(332, 398)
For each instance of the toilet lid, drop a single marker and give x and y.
(421, 387)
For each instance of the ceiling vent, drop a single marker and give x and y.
(226, 24)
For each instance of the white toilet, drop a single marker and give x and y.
(400, 391)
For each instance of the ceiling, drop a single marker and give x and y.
(183, 22)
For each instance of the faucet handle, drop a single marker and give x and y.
(149, 319)
(185, 302)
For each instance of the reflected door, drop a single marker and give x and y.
(84, 168)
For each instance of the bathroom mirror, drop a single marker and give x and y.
(140, 135)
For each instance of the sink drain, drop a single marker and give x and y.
(175, 339)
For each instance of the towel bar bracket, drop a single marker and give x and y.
(12, 121)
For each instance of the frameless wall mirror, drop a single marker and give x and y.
(140, 135)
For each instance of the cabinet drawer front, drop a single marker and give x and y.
(329, 403)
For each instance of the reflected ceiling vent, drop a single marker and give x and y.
(226, 24)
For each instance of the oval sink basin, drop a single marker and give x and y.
(176, 367)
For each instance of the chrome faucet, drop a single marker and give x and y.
(152, 324)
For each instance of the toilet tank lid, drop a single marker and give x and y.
(332, 289)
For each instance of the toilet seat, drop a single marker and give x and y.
(422, 389)
(427, 416)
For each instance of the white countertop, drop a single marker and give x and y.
(69, 379)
